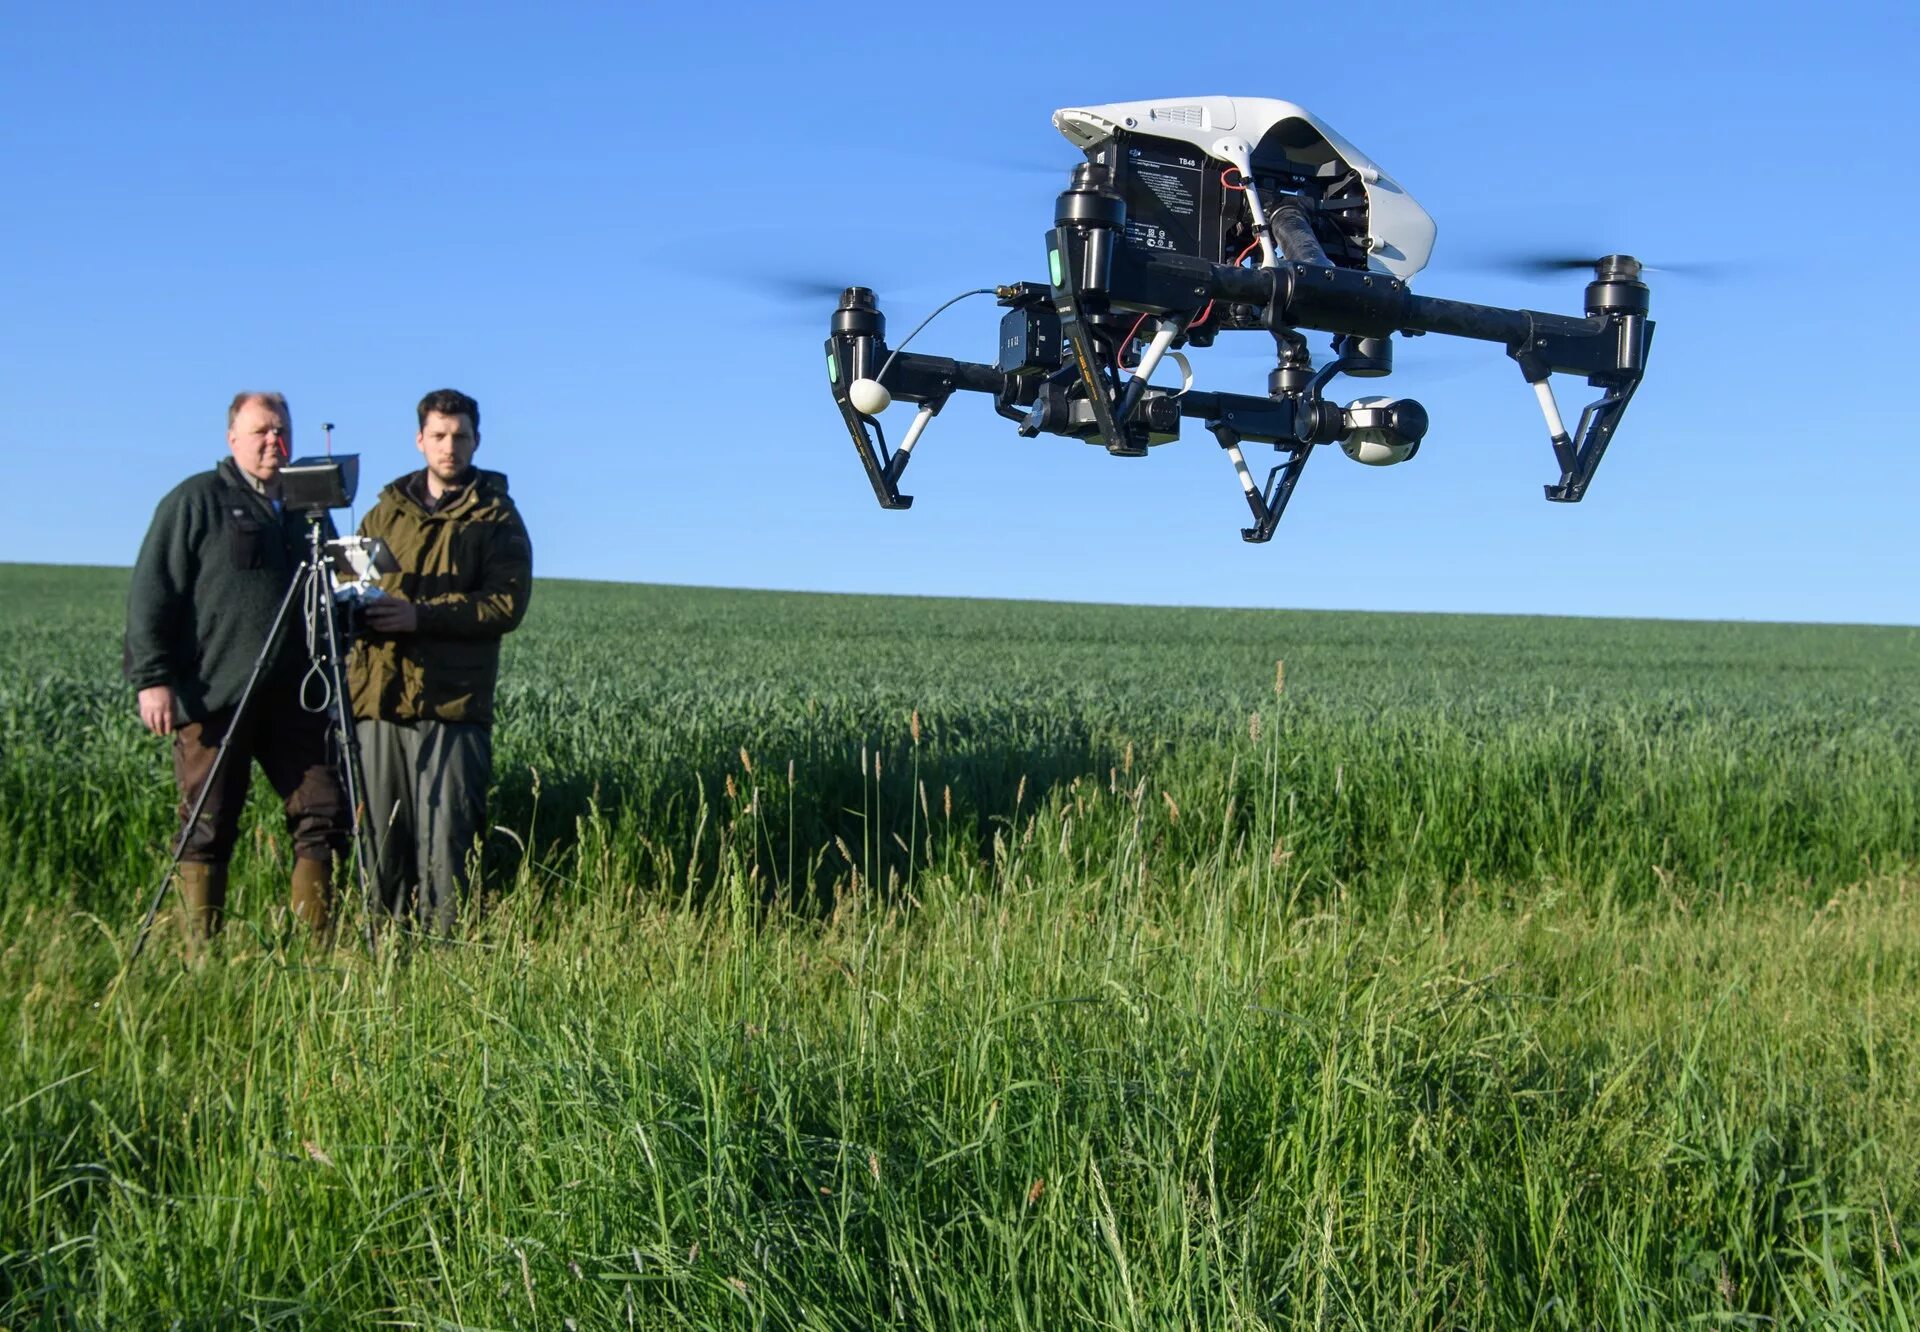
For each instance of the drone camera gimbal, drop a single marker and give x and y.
(1146, 257)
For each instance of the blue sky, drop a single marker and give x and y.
(561, 210)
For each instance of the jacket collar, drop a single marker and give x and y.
(481, 486)
(229, 472)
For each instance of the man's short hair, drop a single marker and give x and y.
(451, 402)
(277, 401)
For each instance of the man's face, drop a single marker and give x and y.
(260, 439)
(447, 443)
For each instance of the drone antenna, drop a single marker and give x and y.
(870, 396)
(977, 291)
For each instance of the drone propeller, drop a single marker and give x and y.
(811, 290)
(804, 293)
(1546, 265)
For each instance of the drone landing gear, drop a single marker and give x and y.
(1579, 454)
(1294, 419)
(884, 466)
(1268, 502)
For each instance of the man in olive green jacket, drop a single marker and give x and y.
(424, 670)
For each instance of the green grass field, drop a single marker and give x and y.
(855, 963)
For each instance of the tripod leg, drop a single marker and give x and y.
(365, 834)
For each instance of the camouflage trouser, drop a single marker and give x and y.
(426, 808)
(290, 744)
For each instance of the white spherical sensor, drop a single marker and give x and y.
(868, 396)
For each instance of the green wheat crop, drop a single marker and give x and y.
(858, 963)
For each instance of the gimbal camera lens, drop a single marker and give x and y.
(1383, 431)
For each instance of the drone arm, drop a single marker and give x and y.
(1609, 347)
(1608, 342)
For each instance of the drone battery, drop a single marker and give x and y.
(1179, 201)
(1172, 194)
(1029, 341)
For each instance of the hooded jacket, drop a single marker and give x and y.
(467, 566)
(209, 579)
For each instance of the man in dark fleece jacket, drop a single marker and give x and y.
(212, 572)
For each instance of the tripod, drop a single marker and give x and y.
(313, 589)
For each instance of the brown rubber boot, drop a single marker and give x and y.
(203, 900)
(312, 898)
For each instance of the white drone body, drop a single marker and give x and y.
(1236, 131)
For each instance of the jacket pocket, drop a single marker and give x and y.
(247, 537)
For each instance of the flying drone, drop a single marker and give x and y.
(1194, 218)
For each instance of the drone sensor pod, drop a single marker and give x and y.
(869, 396)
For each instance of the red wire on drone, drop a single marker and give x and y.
(1208, 308)
(1126, 341)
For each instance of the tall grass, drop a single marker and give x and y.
(1501, 974)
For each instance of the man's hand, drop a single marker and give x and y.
(156, 709)
(393, 615)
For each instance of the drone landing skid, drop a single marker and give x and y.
(1268, 502)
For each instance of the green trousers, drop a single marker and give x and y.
(426, 808)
